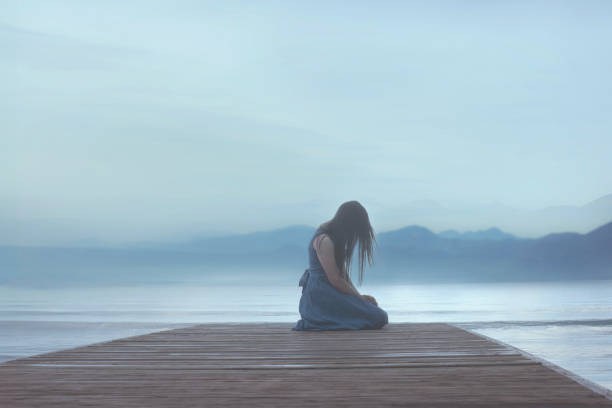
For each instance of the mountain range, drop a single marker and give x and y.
(520, 222)
(409, 254)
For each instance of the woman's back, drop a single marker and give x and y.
(314, 265)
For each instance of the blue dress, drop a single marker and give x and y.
(323, 307)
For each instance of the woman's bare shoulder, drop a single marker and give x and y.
(322, 241)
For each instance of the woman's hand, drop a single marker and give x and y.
(370, 299)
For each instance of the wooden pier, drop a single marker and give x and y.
(262, 365)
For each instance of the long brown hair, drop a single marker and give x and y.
(351, 224)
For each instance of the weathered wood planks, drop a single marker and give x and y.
(408, 364)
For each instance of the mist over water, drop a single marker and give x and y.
(567, 323)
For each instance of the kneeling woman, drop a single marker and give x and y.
(329, 299)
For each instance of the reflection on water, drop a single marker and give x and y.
(568, 323)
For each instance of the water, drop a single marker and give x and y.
(567, 323)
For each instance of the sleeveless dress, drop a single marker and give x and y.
(323, 307)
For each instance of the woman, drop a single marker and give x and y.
(329, 299)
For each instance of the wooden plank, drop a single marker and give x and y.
(408, 364)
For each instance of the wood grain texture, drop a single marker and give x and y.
(261, 365)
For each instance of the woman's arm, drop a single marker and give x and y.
(350, 282)
(326, 256)
(367, 298)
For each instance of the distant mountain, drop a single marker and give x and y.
(387, 216)
(292, 236)
(413, 234)
(519, 222)
(298, 235)
(552, 257)
(409, 254)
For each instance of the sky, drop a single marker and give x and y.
(145, 120)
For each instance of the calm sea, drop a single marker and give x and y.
(567, 323)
